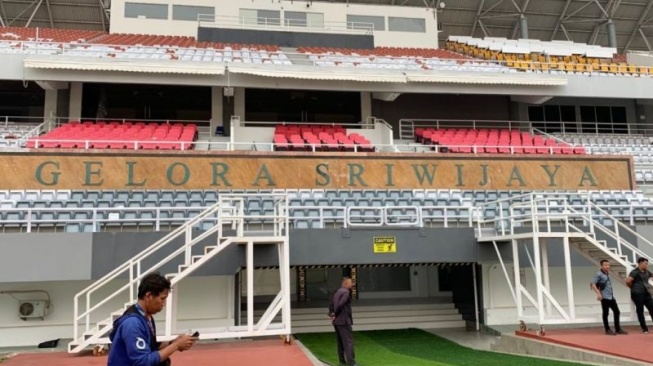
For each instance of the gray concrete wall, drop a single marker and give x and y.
(45, 257)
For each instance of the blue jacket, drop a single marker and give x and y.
(132, 341)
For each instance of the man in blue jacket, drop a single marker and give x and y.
(133, 338)
(341, 317)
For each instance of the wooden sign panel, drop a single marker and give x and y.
(311, 171)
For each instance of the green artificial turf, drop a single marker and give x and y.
(412, 347)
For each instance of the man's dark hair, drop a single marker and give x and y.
(153, 283)
(604, 261)
(641, 259)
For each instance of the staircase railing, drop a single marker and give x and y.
(548, 208)
(623, 247)
(134, 266)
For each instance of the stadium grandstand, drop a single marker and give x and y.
(467, 163)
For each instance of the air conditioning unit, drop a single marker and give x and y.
(31, 309)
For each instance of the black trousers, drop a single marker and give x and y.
(345, 337)
(608, 305)
(641, 300)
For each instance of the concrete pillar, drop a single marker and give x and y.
(51, 103)
(612, 34)
(523, 27)
(75, 110)
(216, 108)
(366, 105)
(239, 103)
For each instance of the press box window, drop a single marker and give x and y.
(396, 24)
(301, 19)
(365, 21)
(191, 13)
(260, 17)
(146, 11)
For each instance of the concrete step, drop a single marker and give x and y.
(361, 327)
(434, 309)
(296, 58)
(324, 321)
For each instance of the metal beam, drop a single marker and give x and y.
(22, 12)
(559, 22)
(638, 27)
(476, 19)
(29, 21)
(522, 10)
(47, 5)
(103, 14)
(615, 6)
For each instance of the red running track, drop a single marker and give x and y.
(635, 345)
(251, 353)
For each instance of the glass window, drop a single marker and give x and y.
(396, 24)
(184, 12)
(147, 11)
(271, 17)
(260, 17)
(365, 21)
(295, 18)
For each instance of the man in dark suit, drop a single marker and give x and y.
(340, 313)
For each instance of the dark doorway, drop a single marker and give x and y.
(302, 106)
(158, 102)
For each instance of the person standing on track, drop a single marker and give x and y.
(602, 286)
(638, 282)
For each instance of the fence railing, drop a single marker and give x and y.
(288, 24)
(407, 127)
(95, 219)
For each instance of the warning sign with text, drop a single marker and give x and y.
(385, 244)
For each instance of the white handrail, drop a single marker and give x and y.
(128, 264)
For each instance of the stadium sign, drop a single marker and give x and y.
(313, 171)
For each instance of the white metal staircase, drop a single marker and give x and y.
(530, 221)
(176, 249)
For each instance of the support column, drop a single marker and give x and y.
(518, 292)
(537, 253)
(216, 109)
(569, 278)
(75, 110)
(545, 274)
(50, 107)
(523, 27)
(366, 105)
(239, 103)
(612, 34)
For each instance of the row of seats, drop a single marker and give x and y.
(613, 201)
(543, 56)
(228, 54)
(318, 138)
(116, 135)
(397, 58)
(604, 138)
(502, 141)
(394, 52)
(48, 34)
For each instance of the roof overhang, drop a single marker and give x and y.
(124, 65)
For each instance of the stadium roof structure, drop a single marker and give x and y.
(583, 21)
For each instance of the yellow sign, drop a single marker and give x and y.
(212, 170)
(385, 244)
